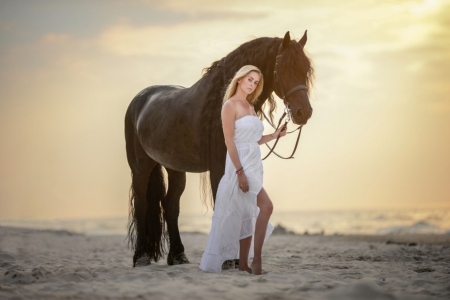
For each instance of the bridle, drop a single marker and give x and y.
(287, 112)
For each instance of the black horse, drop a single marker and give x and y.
(180, 129)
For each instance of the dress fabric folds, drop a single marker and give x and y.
(235, 212)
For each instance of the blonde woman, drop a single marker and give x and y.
(242, 209)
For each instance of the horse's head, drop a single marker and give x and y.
(293, 77)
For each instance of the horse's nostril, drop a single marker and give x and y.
(299, 113)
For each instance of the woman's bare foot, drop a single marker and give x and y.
(256, 267)
(245, 268)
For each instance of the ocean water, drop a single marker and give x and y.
(381, 222)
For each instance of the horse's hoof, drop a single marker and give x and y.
(142, 261)
(178, 259)
(228, 264)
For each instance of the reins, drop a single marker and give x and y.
(287, 112)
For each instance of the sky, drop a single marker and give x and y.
(379, 137)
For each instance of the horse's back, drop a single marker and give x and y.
(147, 95)
(165, 123)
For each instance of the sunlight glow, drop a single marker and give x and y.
(378, 137)
(427, 6)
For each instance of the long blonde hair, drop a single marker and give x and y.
(244, 71)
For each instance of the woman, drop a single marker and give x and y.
(242, 208)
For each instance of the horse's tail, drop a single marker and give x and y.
(132, 224)
(206, 194)
(154, 241)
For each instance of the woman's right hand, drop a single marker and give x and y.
(243, 183)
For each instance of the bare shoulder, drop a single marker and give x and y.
(229, 107)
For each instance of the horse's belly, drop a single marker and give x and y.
(173, 143)
(176, 154)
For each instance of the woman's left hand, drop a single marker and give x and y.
(281, 131)
(243, 182)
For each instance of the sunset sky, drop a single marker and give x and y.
(379, 137)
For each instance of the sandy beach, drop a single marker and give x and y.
(39, 264)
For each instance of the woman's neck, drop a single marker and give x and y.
(240, 95)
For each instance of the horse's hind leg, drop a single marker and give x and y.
(171, 205)
(146, 226)
(138, 214)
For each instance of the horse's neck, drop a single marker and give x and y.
(208, 91)
(260, 53)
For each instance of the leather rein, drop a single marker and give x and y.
(287, 112)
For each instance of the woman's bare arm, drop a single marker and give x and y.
(228, 119)
(267, 138)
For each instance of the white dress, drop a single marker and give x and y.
(235, 212)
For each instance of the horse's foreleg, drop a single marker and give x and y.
(171, 205)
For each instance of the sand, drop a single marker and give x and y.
(36, 264)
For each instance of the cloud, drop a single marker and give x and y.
(422, 69)
(193, 39)
(24, 22)
(55, 38)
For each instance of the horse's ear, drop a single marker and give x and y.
(286, 41)
(303, 39)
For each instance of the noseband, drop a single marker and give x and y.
(287, 112)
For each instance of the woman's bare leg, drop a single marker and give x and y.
(265, 211)
(244, 248)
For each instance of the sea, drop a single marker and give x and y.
(371, 222)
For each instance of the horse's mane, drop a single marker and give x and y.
(253, 52)
(260, 52)
(296, 59)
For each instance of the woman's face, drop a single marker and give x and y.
(249, 82)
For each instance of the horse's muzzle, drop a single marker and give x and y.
(301, 117)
